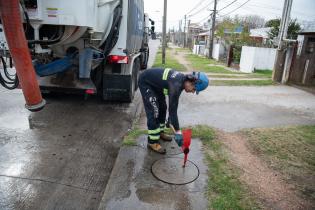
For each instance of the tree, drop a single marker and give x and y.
(252, 21)
(293, 29)
(226, 29)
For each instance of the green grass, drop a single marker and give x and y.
(225, 191)
(170, 61)
(291, 150)
(241, 82)
(262, 73)
(183, 50)
(202, 64)
(131, 136)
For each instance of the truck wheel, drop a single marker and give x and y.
(144, 65)
(137, 62)
(133, 82)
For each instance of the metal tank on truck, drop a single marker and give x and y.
(86, 46)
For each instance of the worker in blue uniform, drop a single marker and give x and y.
(154, 85)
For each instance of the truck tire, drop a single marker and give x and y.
(134, 80)
(132, 84)
(138, 68)
(121, 87)
(144, 65)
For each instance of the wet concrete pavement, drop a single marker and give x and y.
(234, 108)
(132, 185)
(62, 156)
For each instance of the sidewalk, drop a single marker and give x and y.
(132, 185)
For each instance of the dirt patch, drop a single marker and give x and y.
(180, 57)
(267, 185)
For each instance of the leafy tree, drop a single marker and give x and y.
(293, 29)
(229, 25)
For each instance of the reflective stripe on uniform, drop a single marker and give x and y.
(165, 91)
(162, 127)
(165, 74)
(155, 131)
(154, 137)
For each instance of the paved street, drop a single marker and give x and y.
(234, 108)
(62, 156)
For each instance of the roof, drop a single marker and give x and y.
(204, 33)
(308, 31)
(260, 32)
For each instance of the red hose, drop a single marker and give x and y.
(14, 32)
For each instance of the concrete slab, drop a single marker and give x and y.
(61, 157)
(132, 185)
(233, 108)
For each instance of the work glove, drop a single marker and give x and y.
(179, 139)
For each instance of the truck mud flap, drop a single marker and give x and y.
(118, 88)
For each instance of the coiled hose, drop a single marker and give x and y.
(8, 80)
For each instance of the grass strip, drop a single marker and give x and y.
(225, 191)
(170, 61)
(290, 150)
(131, 137)
(241, 82)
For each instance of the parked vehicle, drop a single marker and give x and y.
(98, 47)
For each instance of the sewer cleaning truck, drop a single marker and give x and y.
(76, 46)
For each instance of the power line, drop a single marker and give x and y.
(235, 9)
(227, 5)
(204, 19)
(201, 9)
(196, 6)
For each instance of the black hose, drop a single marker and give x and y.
(26, 17)
(114, 31)
(6, 79)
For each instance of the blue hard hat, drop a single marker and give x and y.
(202, 81)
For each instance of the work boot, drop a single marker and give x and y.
(165, 137)
(156, 147)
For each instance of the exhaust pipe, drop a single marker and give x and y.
(14, 32)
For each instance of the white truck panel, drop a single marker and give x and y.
(96, 14)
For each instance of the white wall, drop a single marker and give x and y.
(217, 51)
(199, 49)
(257, 58)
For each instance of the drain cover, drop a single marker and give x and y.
(170, 170)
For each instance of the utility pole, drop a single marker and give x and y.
(212, 29)
(279, 66)
(164, 32)
(180, 33)
(188, 33)
(185, 33)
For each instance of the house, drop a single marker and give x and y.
(259, 35)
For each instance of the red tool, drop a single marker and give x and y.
(187, 140)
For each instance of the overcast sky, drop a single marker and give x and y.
(268, 9)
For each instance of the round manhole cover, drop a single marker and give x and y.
(171, 171)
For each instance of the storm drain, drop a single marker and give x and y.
(171, 171)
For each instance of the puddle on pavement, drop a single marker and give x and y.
(16, 120)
